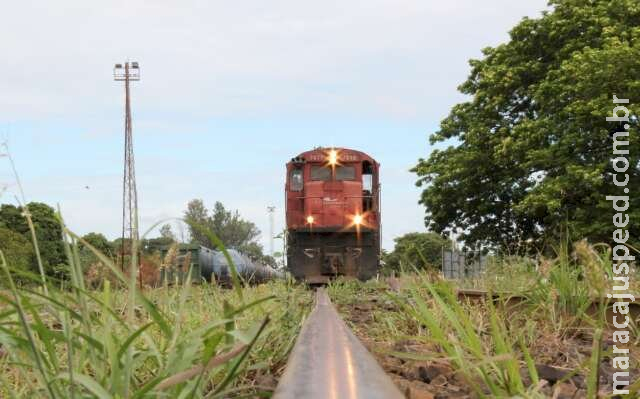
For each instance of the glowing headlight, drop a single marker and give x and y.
(357, 219)
(310, 219)
(333, 157)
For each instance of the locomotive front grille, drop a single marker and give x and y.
(333, 263)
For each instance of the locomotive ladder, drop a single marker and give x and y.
(328, 361)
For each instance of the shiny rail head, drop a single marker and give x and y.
(329, 362)
(322, 299)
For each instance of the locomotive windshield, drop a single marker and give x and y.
(345, 173)
(320, 173)
(323, 173)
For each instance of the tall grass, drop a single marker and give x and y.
(496, 345)
(482, 350)
(175, 342)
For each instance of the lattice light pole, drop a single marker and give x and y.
(127, 73)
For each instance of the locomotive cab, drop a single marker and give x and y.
(333, 215)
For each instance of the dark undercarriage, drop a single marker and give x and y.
(318, 256)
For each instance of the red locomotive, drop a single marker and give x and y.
(333, 215)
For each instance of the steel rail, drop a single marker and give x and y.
(329, 362)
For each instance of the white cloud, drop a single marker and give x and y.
(399, 58)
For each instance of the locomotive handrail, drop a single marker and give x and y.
(346, 196)
(328, 361)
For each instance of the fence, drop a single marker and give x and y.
(460, 265)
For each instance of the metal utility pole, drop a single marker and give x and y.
(128, 73)
(271, 210)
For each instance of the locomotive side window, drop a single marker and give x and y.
(367, 183)
(320, 173)
(346, 173)
(297, 181)
(367, 186)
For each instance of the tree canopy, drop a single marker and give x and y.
(47, 228)
(229, 226)
(99, 242)
(167, 232)
(17, 250)
(530, 154)
(419, 250)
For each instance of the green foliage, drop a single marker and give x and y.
(167, 232)
(18, 250)
(419, 250)
(147, 245)
(232, 230)
(99, 242)
(228, 226)
(269, 261)
(151, 245)
(531, 150)
(48, 232)
(157, 244)
(492, 367)
(255, 252)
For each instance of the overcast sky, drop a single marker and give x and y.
(229, 92)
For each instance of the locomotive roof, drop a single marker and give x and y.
(307, 155)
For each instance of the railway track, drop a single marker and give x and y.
(328, 361)
(513, 300)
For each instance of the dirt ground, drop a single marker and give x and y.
(417, 379)
(555, 358)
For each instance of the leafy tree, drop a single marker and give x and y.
(197, 214)
(279, 262)
(100, 242)
(255, 251)
(269, 261)
(232, 230)
(167, 232)
(17, 250)
(420, 250)
(229, 226)
(252, 249)
(47, 228)
(530, 154)
(116, 246)
(12, 218)
(166, 238)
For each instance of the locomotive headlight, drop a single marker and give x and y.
(310, 219)
(357, 220)
(332, 158)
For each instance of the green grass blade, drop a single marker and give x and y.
(593, 378)
(231, 374)
(125, 345)
(35, 351)
(88, 383)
